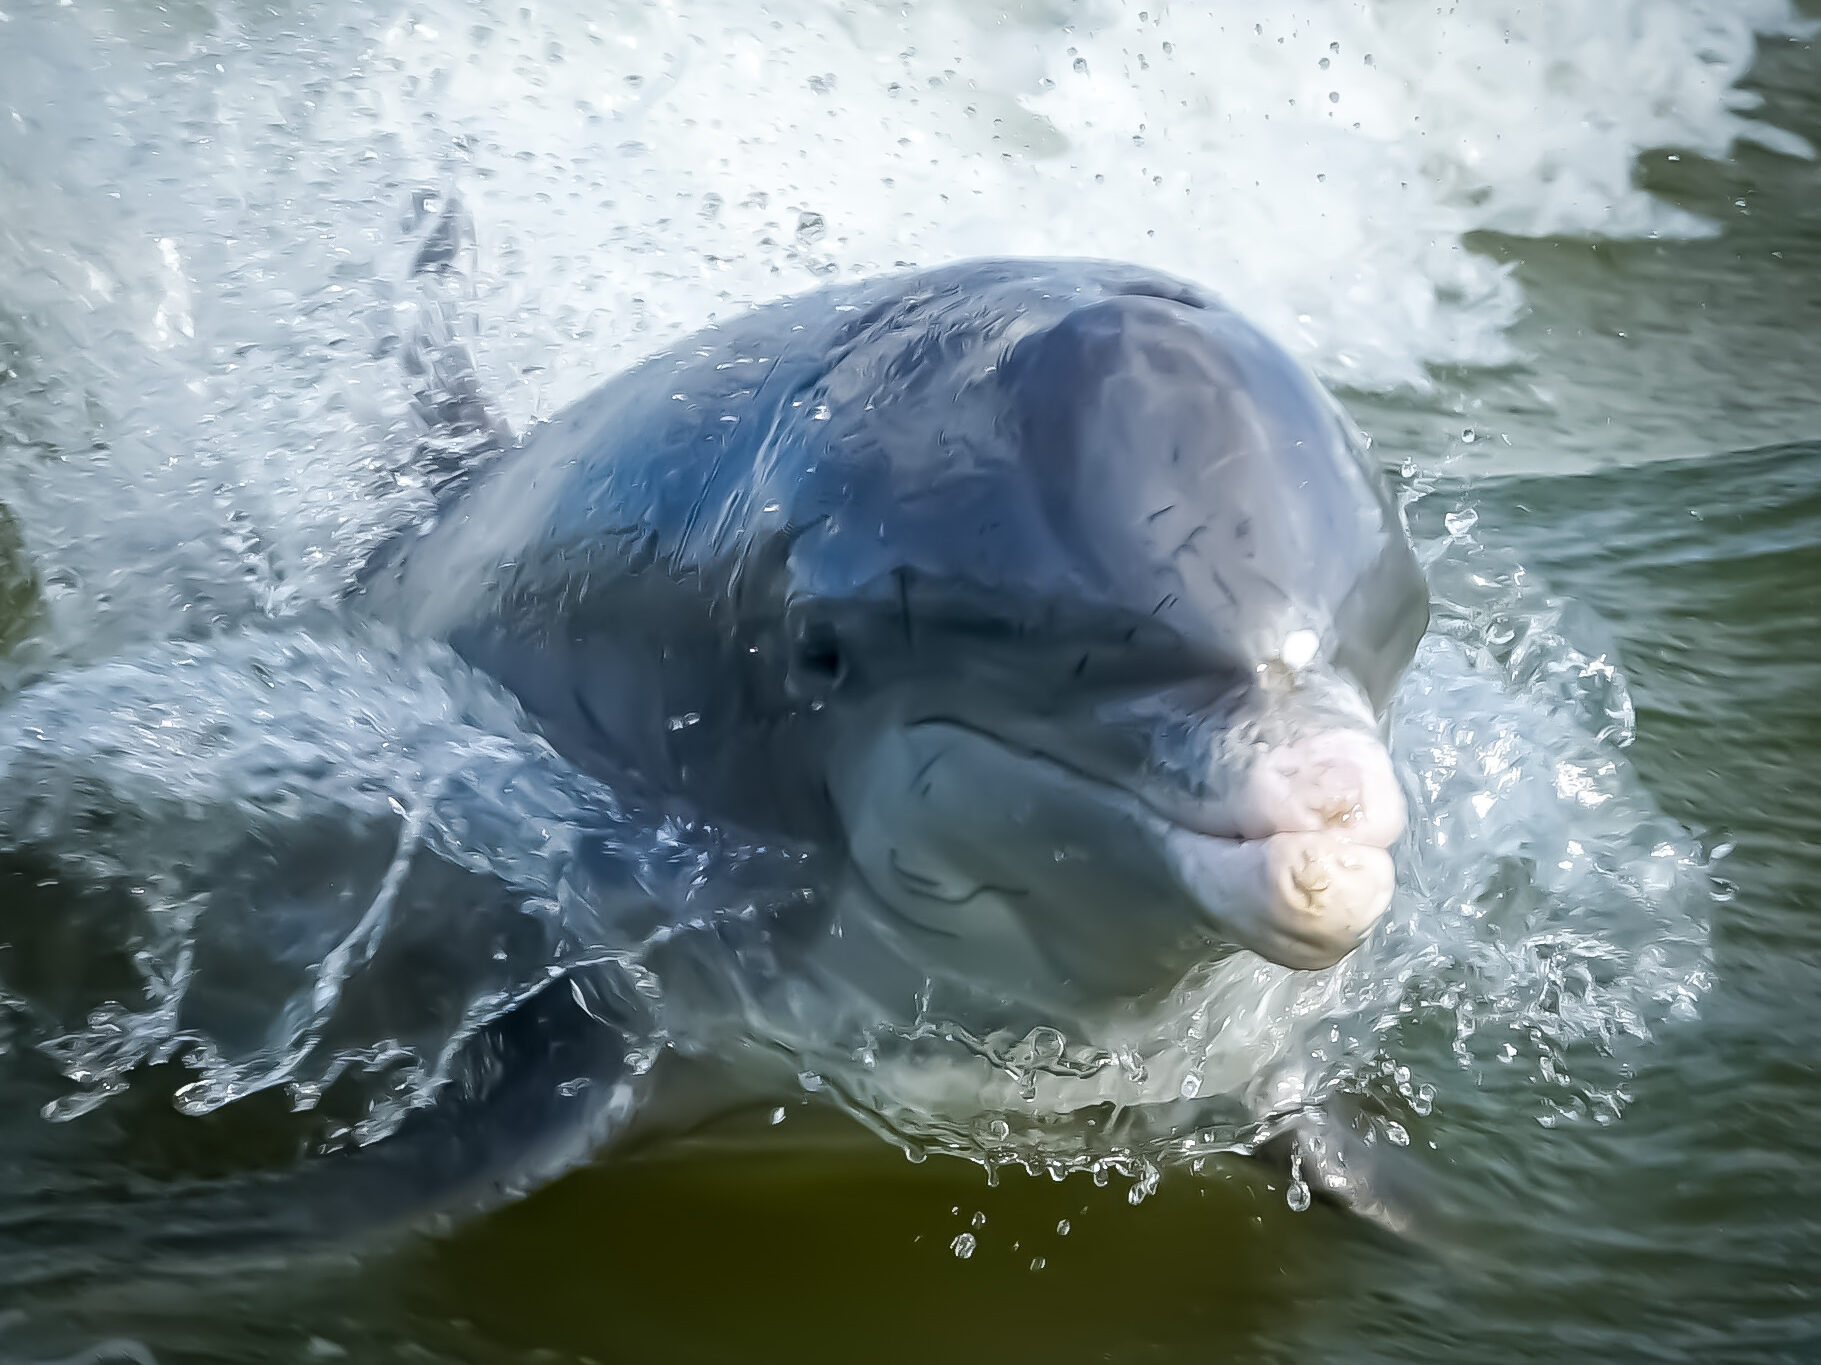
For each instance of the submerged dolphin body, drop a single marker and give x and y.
(1049, 604)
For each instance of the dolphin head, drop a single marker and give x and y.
(1097, 642)
(1053, 601)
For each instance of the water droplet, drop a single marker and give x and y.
(811, 227)
(684, 721)
(1062, 1228)
(1297, 1195)
(777, 1115)
(1038, 1263)
(963, 1246)
(1461, 522)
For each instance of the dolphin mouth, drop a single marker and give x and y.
(1289, 857)
(1303, 900)
(1332, 780)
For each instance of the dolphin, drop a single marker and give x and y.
(1053, 606)
(1055, 593)
(985, 651)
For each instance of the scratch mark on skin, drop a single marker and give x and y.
(924, 770)
(1188, 542)
(925, 887)
(904, 611)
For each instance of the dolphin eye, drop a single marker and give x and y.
(820, 659)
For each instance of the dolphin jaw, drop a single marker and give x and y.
(1293, 858)
(1288, 859)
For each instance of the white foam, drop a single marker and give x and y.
(202, 254)
(1319, 163)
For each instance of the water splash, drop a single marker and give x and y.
(203, 286)
(203, 267)
(1549, 922)
(290, 861)
(321, 863)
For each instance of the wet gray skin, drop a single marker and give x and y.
(1052, 603)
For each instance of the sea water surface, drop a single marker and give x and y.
(1563, 261)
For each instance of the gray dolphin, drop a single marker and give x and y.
(1070, 543)
(1050, 603)
(977, 652)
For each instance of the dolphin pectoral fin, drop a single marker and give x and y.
(1336, 1153)
(539, 1092)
